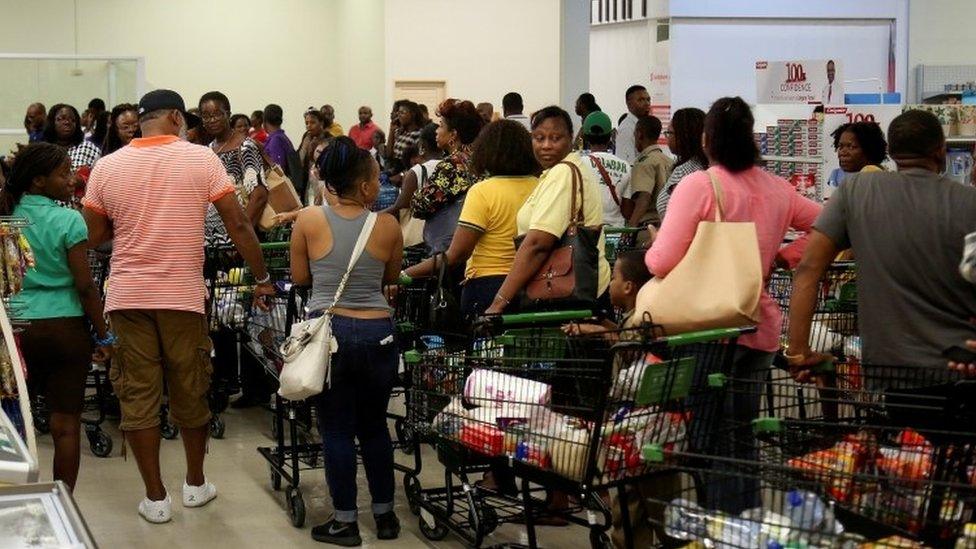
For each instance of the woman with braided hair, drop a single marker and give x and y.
(363, 370)
(56, 297)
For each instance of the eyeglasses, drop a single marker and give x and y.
(213, 117)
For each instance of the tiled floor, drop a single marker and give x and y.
(247, 513)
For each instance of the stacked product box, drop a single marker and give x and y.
(800, 140)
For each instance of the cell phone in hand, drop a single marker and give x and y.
(960, 355)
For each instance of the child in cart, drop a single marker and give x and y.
(629, 275)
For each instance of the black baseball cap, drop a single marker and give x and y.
(158, 100)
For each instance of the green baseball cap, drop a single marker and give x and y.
(597, 123)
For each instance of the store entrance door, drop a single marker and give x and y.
(425, 92)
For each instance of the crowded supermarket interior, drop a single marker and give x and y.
(488, 273)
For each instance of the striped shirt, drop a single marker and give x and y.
(156, 193)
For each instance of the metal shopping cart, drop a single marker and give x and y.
(897, 460)
(297, 445)
(619, 239)
(578, 415)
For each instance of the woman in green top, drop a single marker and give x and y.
(57, 295)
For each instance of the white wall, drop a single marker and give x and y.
(941, 34)
(482, 49)
(804, 17)
(359, 48)
(621, 54)
(195, 46)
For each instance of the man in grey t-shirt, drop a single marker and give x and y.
(906, 229)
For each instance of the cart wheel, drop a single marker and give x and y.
(404, 434)
(100, 443)
(169, 431)
(275, 478)
(487, 518)
(296, 506)
(217, 427)
(436, 532)
(219, 401)
(42, 424)
(411, 487)
(600, 540)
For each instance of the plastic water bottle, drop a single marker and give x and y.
(805, 510)
(685, 520)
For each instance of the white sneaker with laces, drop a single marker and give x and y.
(198, 496)
(156, 512)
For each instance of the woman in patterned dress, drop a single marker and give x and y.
(439, 200)
(243, 160)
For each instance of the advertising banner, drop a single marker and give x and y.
(800, 81)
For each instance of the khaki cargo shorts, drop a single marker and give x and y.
(157, 346)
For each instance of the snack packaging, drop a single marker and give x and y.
(482, 438)
(834, 467)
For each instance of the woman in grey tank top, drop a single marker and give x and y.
(365, 366)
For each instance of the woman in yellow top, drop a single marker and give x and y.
(485, 234)
(546, 214)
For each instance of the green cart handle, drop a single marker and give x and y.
(622, 230)
(706, 335)
(548, 317)
(405, 279)
(825, 367)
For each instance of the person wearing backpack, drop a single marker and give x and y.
(611, 171)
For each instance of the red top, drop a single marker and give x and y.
(258, 135)
(363, 135)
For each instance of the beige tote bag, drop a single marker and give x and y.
(716, 284)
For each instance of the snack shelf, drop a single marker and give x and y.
(797, 159)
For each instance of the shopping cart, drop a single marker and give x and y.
(297, 445)
(896, 457)
(619, 239)
(834, 329)
(569, 414)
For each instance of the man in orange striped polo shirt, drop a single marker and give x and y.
(151, 197)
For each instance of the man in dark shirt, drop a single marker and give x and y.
(906, 229)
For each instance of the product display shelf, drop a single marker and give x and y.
(15, 259)
(931, 81)
(796, 159)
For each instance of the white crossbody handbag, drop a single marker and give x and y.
(310, 345)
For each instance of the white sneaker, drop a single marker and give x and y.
(198, 496)
(156, 512)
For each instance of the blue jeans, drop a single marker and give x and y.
(354, 407)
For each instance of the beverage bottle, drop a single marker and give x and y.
(685, 520)
(805, 510)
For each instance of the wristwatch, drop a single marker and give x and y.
(265, 280)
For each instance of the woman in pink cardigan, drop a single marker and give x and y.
(751, 194)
